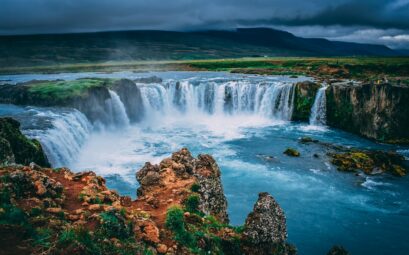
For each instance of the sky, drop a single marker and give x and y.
(369, 21)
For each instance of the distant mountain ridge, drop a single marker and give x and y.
(49, 49)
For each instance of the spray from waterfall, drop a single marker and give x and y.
(319, 109)
(63, 140)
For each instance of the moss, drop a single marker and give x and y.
(23, 150)
(292, 152)
(370, 162)
(304, 98)
(65, 90)
(195, 187)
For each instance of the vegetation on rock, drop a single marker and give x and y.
(292, 152)
(54, 211)
(370, 162)
(304, 97)
(16, 148)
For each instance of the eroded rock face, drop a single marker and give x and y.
(203, 171)
(212, 199)
(265, 230)
(16, 148)
(131, 98)
(377, 111)
(304, 97)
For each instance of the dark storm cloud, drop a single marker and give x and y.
(49, 16)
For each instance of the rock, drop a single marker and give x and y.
(292, 152)
(40, 189)
(34, 166)
(126, 201)
(94, 207)
(147, 80)
(147, 230)
(304, 96)
(16, 148)
(148, 177)
(375, 111)
(212, 198)
(265, 228)
(162, 248)
(131, 97)
(54, 210)
(370, 162)
(338, 250)
(307, 139)
(184, 162)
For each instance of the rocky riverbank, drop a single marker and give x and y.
(180, 209)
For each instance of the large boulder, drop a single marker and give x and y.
(212, 199)
(16, 148)
(265, 230)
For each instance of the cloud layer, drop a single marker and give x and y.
(377, 21)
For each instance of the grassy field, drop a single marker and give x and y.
(373, 69)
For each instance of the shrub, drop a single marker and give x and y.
(195, 187)
(115, 225)
(176, 223)
(192, 203)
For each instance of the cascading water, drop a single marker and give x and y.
(117, 110)
(319, 108)
(63, 138)
(272, 100)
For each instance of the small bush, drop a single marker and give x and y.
(192, 203)
(67, 237)
(176, 223)
(115, 225)
(195, 187)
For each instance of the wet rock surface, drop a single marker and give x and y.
(376, 111)
(304, 97)
(16, 148)
(370, 162)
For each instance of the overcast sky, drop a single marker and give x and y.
(374, 21)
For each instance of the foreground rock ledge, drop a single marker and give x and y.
(180, 209)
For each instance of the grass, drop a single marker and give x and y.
(372, 68)
(66, 89)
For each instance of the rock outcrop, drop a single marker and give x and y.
(180, 209)
(182, 168)
(131, 96)
(88, 95)
(370, 162)
(16, 148)
(376, 111)
(304, 97)
(265, 230)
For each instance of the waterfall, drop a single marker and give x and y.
(68, 129)
(271, 100)
(63, 139)
(319, 108)
(117, 110)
